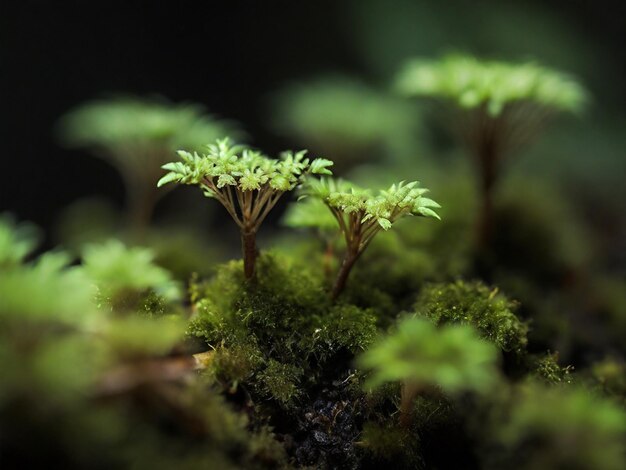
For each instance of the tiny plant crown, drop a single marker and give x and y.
(361, 214)
(502, 107)
(471, 83)
(246, 182)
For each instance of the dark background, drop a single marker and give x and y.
(226, 55)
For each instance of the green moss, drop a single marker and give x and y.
(473, 303)
(281, 381)
(547, 368)
(278, 330)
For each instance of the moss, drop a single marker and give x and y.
(609, 376)
(389, 444)
(473, 303)
(234, 364)
(281, 381)
(273, 333)
(546, 367)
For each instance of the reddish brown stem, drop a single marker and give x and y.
(344, 271)
(250, 252)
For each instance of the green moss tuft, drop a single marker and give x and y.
(473, 303)
(281, 381)
(547, 368)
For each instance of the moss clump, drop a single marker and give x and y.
(280, 381)
(473, 303)
(282, 328)
(546, 367)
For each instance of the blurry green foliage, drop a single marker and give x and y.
(138, 135)
(474, 304)
(451, 357)
(16, 241)
(125, 124)
(610, 376)
(347, 119)
(556, 427)
(471, 83)
(75, 378)
(122, 274)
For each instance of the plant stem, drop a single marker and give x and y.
(487, 159)
(408, 392)
(344, 271)
(249, 250)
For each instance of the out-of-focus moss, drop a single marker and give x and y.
(475, 304)
(546, 367)
(610, 377)
(556, 427)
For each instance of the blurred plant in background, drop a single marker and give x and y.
(502, 107)
(138, 135)
(347, 119)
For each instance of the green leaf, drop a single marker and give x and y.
(320, 166)
(384, 223)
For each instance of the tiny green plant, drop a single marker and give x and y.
(246, 182)
(361, 214)
(137, 136)
(502, 107)
(422, 356)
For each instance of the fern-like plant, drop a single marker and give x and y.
(137, 136)
(246, 182)
(496, 106)
(422, 356)
(361, 214)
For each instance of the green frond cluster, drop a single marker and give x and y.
(452, 357)
(568, 428)
(383, 209)
(17, 241)
(131, 121)
(247, 183)
(225, 164)
(361, 214)
(474, 304)
(470, 83)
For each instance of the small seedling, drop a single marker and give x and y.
(502, 105)
(246, 182)
(422, 356)
(137, 136)
(362, 214)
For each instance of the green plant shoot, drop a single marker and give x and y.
(361, 214)
(246, 182)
